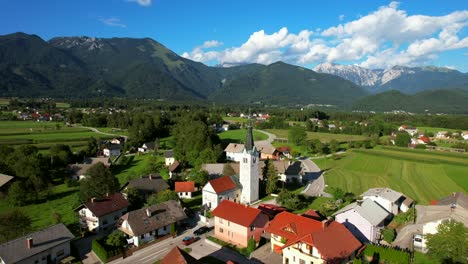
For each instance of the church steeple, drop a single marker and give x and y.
(249, 142)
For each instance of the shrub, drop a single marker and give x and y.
(251, 245)
(99, 250)
(388, 234)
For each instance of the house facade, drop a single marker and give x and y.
(234, 152)
(184, 189)
(169, 157)
(364, 219)
(223, 188)
(49, 245)
(101, 214)
(236, 223)
(148, 146)
(300, 239)
(150, 223)
(111, 150)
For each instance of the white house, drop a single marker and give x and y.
(169, 157)
(441, 135)
(150, 223)
(365, 219)
(185, 189)
(389, 199)
(148, 146)
(288, 171)
(465, 135)
(102, 214)
(234, 152)
(410, 130)
(219, 189)
(49, 245)
(111, 150)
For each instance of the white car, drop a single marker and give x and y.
(418, 241)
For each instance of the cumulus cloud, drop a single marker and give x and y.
(141, 2)
(113, 22)
(385, 37)
(341, 17)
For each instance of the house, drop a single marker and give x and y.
(303, 240)
(284, 151)
(216, 190)
(49, 245)
(150, 223)
(365, 219)
(312, 214)
(465, 135)
(288, 171)
(216, 170)
(185, 189)
(169, 157)
(453, 207)
(174, 169)
(236, 223)
(267, 151)
(118, 141)
(79, 171)
(410, 130)
(111, 150)
(389, 199)
(5, 182)
(234, 152)
(441, 135)
(101, 214)
(271, 210)
(146, 185)
(148, 146)
(177, 256)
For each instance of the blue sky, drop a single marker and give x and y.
(373, 34)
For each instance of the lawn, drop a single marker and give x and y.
(235, 119)
(422, 176)
(4, 101)
(194, 204)
(239, 135)
(137, 166)
(323, 137)
(434, 130)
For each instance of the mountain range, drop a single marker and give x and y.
(405, 79)
(86, 67)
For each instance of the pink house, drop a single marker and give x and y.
(237, 223)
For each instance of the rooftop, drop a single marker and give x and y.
(369, 210)
(237, 213)
(169, 154)
(177, 256)
(431, 213)
(222, 184)
(109, 204)
(4, 179)
(187, 186)
(150, 183)
(386, 193)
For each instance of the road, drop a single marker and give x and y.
(314, 175)
(104, 133)
(270, 139)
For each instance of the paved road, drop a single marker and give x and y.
(314, 175)
(270, 139)
(104, 133)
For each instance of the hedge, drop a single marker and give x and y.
(104, 251)
(387, 254)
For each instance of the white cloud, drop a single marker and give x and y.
(383, 38)
(113, 22)
(141, 2)
(212, 44)
(341, 17)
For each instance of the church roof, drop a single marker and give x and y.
(249, 142)
(222, 184)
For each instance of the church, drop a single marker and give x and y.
(242, 188)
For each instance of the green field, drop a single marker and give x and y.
(323, 137)
(235, 119)
(239, 135)
(136, 167)
(434, 130)
(424, 176)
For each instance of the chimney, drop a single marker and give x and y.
(326, 223)
(148, 213)
(93, 200)
(29, 242)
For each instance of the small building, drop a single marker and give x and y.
(465, 135)
(111, 150)
(174, 169)
(365, 219)
(234, 152)
(148, 146)
(267, 151)
(301, 239)
(177, 256)
(185, 189)
(408, 129)
(287, 171)
(150, 223)
(101, 214)
(389, 199)
(236, 223)
(219, 189)
(169, 157)
(49, 245)
(146, 185)
(5, 182)
(441, 135)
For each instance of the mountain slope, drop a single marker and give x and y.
(404, 79)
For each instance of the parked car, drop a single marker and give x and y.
(417, 241)
(202, 230)
(189, 240)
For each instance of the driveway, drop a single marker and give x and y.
(314, 175)
(264, 254)
(405, 235)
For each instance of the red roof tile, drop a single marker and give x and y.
(222, 184)
(312, 214)
(177, 256)
(187, 186)
(174, 166)
(107, 205)
(237, 213)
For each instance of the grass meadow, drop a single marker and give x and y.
(323, 137)
(422, 175)
(239, 135)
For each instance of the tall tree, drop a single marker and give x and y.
(162, 196)
(402, 139)
(450, 243)
(15, 223)
(297, 135)
(99, 183)
(271, 175)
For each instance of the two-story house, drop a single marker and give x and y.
(149, 223)
(389, 199)
(237, 223)
(304, 240)
(365, 219)
(49, 245)
(101, 214)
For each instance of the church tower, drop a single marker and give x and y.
(249, 170)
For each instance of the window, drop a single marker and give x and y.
(165, 228)
(252, 228)
(142, 236)
(254, 159)
(221, 230)
(229, 233)
(294, 258)
(228, 223)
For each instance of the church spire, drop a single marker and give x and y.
(249, 142)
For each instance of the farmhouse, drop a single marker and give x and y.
(237, 223)
(49, 245)
(303, 240)
(365, 219)
(102, 214)
(146, 185)
(185, 189)
(149, 223)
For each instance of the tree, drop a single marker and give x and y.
(18, 194)
(316, 146)
(334, 145)
(297, 135)
(15, 223)
(162, 196)
(99, 183)
(450, 243)
(271, 176)
(134, 198)
(251, 245)
(402, 139)
(289, 200)
(338, 193)
(388, 234)
(116, 239)
(92, 147)
(200, 177)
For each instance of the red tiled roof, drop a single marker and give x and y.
(177, 256)
(425, 139)
(297, 228)
(312, 214)
(222, 184)
(107, 205)
(187, 186)
(237, 213)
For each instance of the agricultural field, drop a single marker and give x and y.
(323, 137)
(239, 135)
(235, 119)
(434, 130)
(422, 175)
